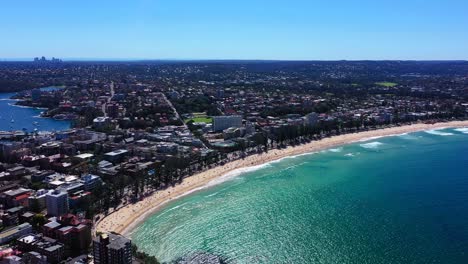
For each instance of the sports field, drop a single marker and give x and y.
(386, 84)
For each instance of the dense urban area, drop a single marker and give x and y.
(139, 127)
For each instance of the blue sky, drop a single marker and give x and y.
(235, 29)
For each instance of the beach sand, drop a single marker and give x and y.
(125, 219)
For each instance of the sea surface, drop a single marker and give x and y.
(13, 117)
(400, 199)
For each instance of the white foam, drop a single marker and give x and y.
(437, 132)
(228, 176)
(371, 138)
(213, 194)
(349, 155)
(408, 136)
(378, 137)
(371, 145)
(293, 166)
(171, 209)
(336, 150)
(233, 174)
(463, 130)
(291, 157)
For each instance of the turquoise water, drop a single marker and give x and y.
(401, 199)
(25, 117)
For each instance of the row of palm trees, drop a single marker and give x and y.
(131, 188)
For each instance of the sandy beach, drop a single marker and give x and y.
(127, 218)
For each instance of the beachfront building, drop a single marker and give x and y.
(221, 123)
(91, 181)
(57, 203)
(311, 119)
(112, 248)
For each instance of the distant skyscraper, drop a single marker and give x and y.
(44, 60)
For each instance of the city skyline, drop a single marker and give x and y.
(241, 30)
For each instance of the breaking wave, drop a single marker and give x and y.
(336, 150)
(371, 145)
(438, 132)
(233, 174)
(463, 130)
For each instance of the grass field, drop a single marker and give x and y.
(386, 84)
(200, 119)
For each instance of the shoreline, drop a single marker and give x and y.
(10, 102)
(125, 219)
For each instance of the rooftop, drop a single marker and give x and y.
(116, 152)
(14, 229)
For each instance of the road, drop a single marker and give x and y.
(178, 116)
(108, 99)
(174, 110)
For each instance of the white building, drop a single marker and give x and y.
(222, 122)
(116, 155)
(57, 203)
(101, 122)
(91, 181)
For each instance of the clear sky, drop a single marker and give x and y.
(235, 29)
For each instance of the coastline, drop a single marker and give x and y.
(125, 219)
(31, 113)
(26, 106)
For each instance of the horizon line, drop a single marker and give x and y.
(71, 59)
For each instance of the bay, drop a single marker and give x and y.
(17, 118)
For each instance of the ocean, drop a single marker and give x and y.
(399, 199)
(17, 118)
